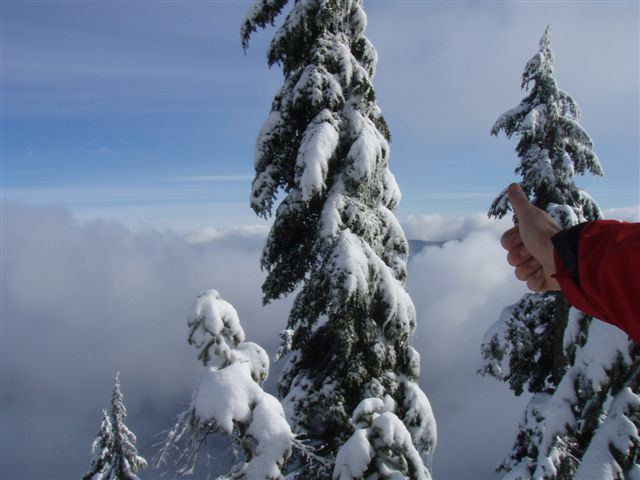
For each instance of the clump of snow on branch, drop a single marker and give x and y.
(419, 418)
(316, 149)
(380, 447)
(616, 440)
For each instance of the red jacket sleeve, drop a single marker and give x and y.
(607, 285)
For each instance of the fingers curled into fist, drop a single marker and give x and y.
(528, 244)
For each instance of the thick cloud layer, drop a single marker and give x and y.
(81, 301)
(459, 291)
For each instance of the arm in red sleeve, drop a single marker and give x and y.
(598, 268)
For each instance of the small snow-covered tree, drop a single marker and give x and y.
(229, 398)
(574, 367)
(101, 449)
(325, 147)
(115, 454)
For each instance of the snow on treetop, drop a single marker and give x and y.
(541, 64)
(535, 118)
(359, 20)
(270, 430)
(317, 86)
(391, 431)
(297, 19)
(553, 146)
(229, 397)
(214, 328)
(261, 13)
(255, 356)
(354, 457)
(564, 215)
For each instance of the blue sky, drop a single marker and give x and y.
(147, 112)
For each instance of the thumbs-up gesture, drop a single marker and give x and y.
(529, 243)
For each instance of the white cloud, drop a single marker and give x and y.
(461, 65)
(624, 214)
(434, 227)
(84, 300)
(459, 290)
(252, 236)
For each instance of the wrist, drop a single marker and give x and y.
(566, 244)
(549, 265)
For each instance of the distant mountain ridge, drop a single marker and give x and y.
(417, 246)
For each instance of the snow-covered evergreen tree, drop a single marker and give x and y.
(229, 398)
(579, 371)
(553, 147)
(115, 454)
(325, 146)
(101, 449)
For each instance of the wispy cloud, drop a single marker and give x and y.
(214, 178)
(114, 194)
(169, 90)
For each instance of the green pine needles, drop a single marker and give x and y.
(325, 149)
(553, 147)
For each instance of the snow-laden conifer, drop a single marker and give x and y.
(574, 366)
(101, 448)
(115, 454)
(325, 147)
(553, 146)
(229, 398)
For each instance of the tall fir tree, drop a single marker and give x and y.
(582, 373)
(115, 454)
(324, 148)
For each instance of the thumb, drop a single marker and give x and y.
(518, 200)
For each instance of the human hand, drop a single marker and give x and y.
(529, 243)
